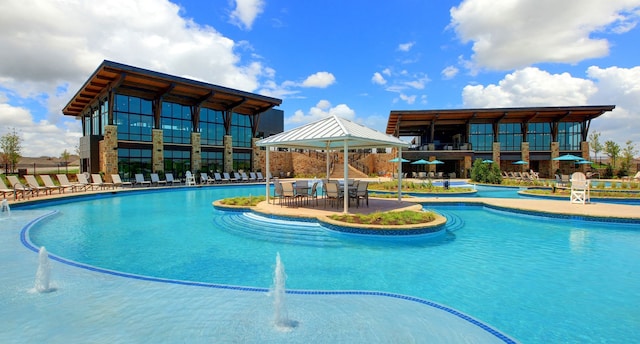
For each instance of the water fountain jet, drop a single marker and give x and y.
(4, 208)
(281, 318)
(43, 275)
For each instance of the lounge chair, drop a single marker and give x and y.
(83, 181)
(170, 180)
(245, 177)
(48, 182)
(236, 177)
(35, 186)
(155, 180)
(98, 182)
(636, 177)
(20, 188)
(64, 182)
(117, 181)
(205, 179)
(591, 174)
(260, 176)
(189, 179)
(218, 178)
(4, 190)
(227, 176)
(253, 177)
(141, 181)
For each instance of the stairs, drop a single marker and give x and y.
(338, 172)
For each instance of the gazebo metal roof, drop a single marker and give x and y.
(330, 133)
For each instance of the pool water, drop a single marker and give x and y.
(539, 281)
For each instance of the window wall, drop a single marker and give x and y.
(481, 136)
(211, 127)
(212, 161)
(569, 135)
(241, 130)
(132, 161)
(241, 161)
(177, 162)
(134, 118)
(176, 123)
(539, 136)
(510, 136)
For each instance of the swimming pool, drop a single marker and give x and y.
(541, 282)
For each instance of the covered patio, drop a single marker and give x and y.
(332, 134)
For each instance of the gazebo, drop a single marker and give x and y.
(330, 134)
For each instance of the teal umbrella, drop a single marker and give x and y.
(420, 162)
(521, 162)
(568, 157)
(487, 161)
(436, 162)
(396, 160)
(584, 162)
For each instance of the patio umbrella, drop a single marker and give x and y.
(521, 163)
(436, 162)
(584, 162)
(420, 162)
(487, 161)
(568, 157)
(396, 160)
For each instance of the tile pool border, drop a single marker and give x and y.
(24, 238)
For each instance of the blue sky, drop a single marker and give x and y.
(357, 59)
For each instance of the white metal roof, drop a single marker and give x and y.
(331, 133)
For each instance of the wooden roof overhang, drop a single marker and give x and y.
(412, 122)
(152, 85)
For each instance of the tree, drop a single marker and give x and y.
(65, 156)
(628, 153)
(612, 150)
(10, 144)
(594, 143)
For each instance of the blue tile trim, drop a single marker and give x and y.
(385, 232)
(24, 238)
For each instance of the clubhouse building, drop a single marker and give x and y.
(533, 135)
(140, 121)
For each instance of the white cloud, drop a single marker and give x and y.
(514, 34)
(378, 79)
(246, 12)
(530, 87)
(319, 79)
(322, 110)
(406, 46)
(449, 72)
(604, 86)
(408, 99)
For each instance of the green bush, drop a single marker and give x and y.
(486, 173)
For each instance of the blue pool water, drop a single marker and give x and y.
(539, 281)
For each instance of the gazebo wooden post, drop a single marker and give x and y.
(345, 177)
(399, 174)
(266, 179)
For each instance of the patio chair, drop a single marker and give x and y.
(580, 188)
(236, 177)
(141, 181)
(117, 181)
(35, 186)
(98, 182)
(170, 180)
(313, 194)
(227, 176)
(244, 177)
(277, 190)
(591, 174)
(20, 188)
(5, 190)
(48, 182)
(218, 178)
(260, 176)
(288, 193)
(252, 177)
(361, 193)
(155, 180)
(64, 182)
(333, 193)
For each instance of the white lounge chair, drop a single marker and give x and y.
(48, 182)
(170, 179)
(117, 181)
(155, 180)
(82, 180)
(98, 182)
(141, 181)
(64, 182)
(260, 176)
(20, 188)
(4, 190)
(33, 183)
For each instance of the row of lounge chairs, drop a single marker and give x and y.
(524, 177)
(233, 177)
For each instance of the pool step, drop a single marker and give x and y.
(264, 228)
(454, 222)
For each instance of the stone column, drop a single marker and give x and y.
(196, 155)
(524, 147)
(255, 156)
(555, 152)
(584, 148)
(468, 164)
(157, 160)
(495, 155)
(227, 155)
(109, 152)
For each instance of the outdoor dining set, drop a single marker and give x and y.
(307, 192)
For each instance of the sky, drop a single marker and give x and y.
(356, 59)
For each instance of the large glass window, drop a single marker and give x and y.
(481, 136)
(132, 161)
(87, 126)
(104, 116)
(510, 136)
(241, 161)
(241, 130)
(212, 161)
(95, 122)
(569, 135)
(176, 123)
(211, 127)
(134, 118)
(177, 162)
(539, 136)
